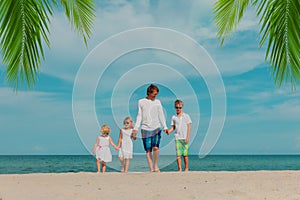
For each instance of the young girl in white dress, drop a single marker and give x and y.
(125, 144)
(101, 148)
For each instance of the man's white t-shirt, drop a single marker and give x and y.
(150, 115)
(180, 123)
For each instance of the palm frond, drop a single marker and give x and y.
(24, 30)
(81, 15)
(228, 14)
(23, 26)
(280, 21)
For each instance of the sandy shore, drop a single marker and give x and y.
(165, 185)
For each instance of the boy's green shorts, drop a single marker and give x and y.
(182, 148)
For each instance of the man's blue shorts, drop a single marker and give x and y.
(151, 138)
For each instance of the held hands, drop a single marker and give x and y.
(118, 147)
(133, 137)
(134, 132)
(168, 131)
(187, 140)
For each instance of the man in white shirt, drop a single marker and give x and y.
(151, 117)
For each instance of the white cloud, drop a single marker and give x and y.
(31, 105)
(69, 51)
(66, 52)
(42, 120)
(261, 91)
(114, 19)
(283, 113)
(67, 47)
(38, 149)
(249, 21)
(287, 111)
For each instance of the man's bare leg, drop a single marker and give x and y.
(156, 155)
(149, 160)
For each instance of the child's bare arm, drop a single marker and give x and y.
(171, 129)
(187, 139)
(113, 144)
(120, 138)
(95, 145)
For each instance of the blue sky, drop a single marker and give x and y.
(260, 117)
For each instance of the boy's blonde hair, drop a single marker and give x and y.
(105, 129)
(130, 119)
(179, 102)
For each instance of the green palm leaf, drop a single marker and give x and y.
(24, 29)
(24, 24)
(281, 27)
(228, 14)
(81, 15)
(280, 20)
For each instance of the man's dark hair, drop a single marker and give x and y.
(151, 88)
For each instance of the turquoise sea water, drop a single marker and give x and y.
(24, 164)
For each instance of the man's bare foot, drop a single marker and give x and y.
(156, 170)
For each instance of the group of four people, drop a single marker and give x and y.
(150, 117)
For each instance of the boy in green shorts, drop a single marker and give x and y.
(181, 123)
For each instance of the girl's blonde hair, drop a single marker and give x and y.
(130, 119)
(105, 129)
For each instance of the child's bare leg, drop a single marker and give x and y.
(103, 167)
(98, 165)
(127, 161)
(122, 163)
(179, 163)
(186, 163)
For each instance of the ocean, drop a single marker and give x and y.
(26, 164)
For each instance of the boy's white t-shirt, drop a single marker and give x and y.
(180, 123)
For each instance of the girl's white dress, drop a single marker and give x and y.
(103, 150)
(127, 146)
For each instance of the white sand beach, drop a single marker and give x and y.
(141, 185)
